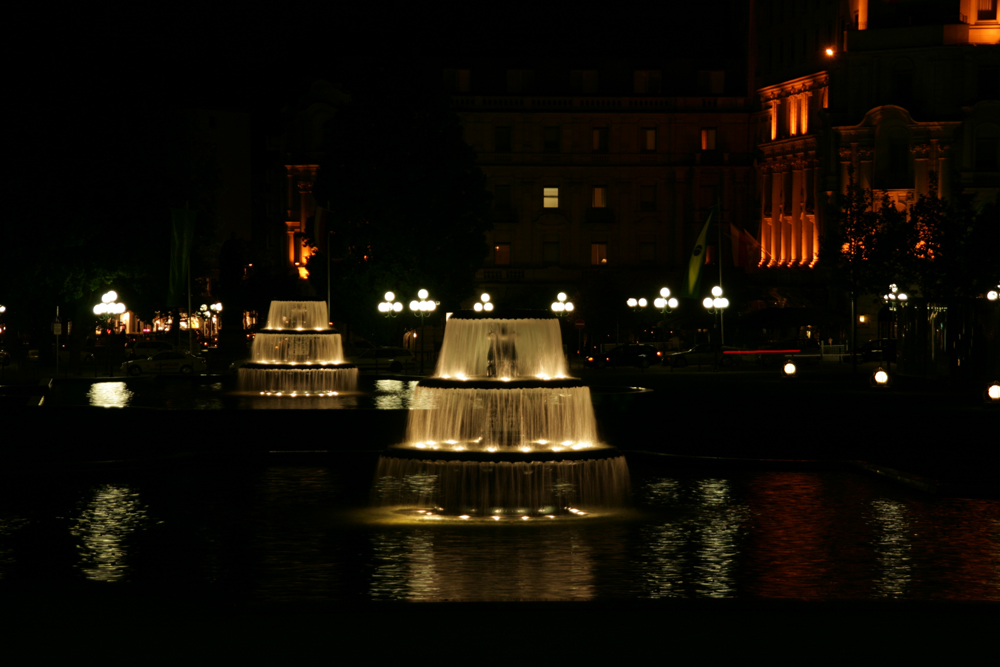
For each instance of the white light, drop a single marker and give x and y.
(389, 296)
(414, 305)
(488, 307)
(642, 303)
(484, 297)
(110, 296)
(478, 308)
(100, 309)
(992, 295)
(660, 302)
(558, 307)
(524, 518)
(707, 302)
(431, 305)
(397, 307)
(422, 294)
(561, 296)
(672, 303)
(893, 288)
(382, 307)
(464, 516)
(716, 291)
(569, 306)
(903, 297)
(632, 303)
(496, 518)
(664, 292)
(789, 368)
(723, 302)
(881, 377)
(994, 392)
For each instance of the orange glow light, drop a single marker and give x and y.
(829, 52)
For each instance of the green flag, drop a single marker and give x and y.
(693, 275)
(181, 233)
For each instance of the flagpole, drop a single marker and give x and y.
(718, 224)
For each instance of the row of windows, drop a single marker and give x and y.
(598, 197)
(551, 253)
(551, 139)
(586, 81)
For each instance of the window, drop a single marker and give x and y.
(647, 252)
(550, 252)
(501, 254)
(647, 197)
(550, 139)
(648, 139)
(583, 81)
(987, 148)
(902, 82)
(457, 80)
(550, 197)
(501, 197)
(598, 254)
(501, 139)
(647, 81)
(986, 10)
(989, 82)
(898, 167)
(708, 139)
(711, 82)
(599, 199)
(600, 143)
(520, 80)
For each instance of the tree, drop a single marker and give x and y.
(408, 203)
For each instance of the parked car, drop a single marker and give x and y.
(632, 354)
(166, 362)
(702, 355)
(142, 349)
(883, 349)
(393, 359)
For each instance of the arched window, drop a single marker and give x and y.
(892, 158)
(987, 154)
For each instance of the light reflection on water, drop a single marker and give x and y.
(109, 395)
(303, 533)
(104, 524)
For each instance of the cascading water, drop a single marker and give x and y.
(501, 430)
(297, 354)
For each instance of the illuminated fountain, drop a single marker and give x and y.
(501, 431)
(297, 354)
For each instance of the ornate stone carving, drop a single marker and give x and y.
(865, 153)
(845, 153)
(921, 150)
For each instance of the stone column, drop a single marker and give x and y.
(865, 174)
(921, 165)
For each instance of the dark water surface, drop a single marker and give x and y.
(295, 529)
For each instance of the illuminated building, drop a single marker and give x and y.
(604, 165)
(896, 90)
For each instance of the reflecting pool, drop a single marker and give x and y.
(299, 530)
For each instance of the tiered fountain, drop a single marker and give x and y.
(501, 431)
(297, 354)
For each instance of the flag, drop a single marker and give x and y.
(181, 233)
(693, 275)
(319, 228)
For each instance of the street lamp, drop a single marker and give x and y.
(637, 304)
(892, 298)
(992, 394)
(992, 295)
(789, 370)
(665, 302)
(483, 304)
(716, 305)
(561, 306)
(881, 379)
(390, 307)
(422, 309)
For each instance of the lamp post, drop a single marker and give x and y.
(716, 305)
(390, 307)
(106, 310)
(892, 298)
(422, 309)
(561, 306)
(483, 304)
(665, 302)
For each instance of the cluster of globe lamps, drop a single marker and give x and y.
(109, 305)
(422, 308)
(664, 302)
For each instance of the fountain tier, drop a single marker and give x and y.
(297, 354)
(501, 428)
